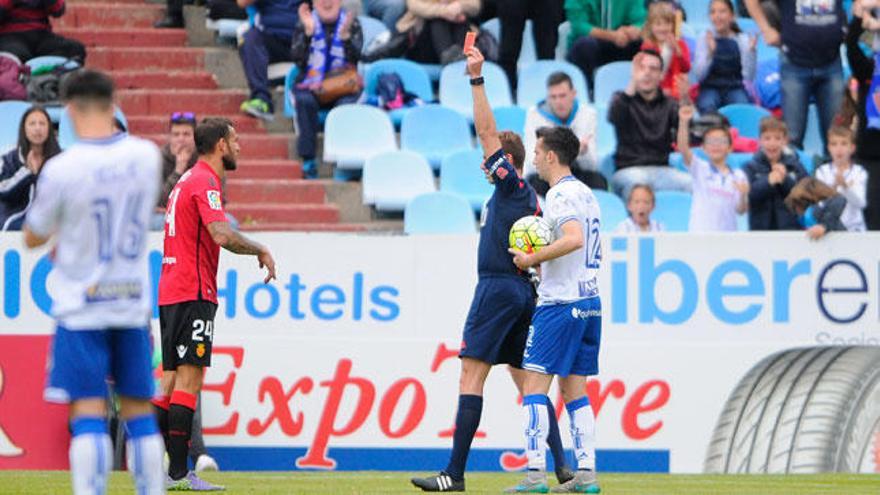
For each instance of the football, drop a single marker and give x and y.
(529, 234)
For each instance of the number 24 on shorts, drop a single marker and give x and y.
(200, 327)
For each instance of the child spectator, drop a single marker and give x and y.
(846, 177)
(827, 205)
(21, 166)
(725, 58)
(719, 192)
(639, 204)
(660, 36)
(772, 174)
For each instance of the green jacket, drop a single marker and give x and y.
(584, 15)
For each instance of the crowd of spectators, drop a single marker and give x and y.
(673, 81)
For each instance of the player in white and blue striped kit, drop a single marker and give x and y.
(567, 324)
(93, 205)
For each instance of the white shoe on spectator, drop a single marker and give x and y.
(206, 463)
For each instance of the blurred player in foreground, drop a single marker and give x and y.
(195, 229)
(93, 204)
(497, 324)
(566, 328)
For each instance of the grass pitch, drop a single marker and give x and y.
(52, 482)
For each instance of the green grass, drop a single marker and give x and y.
(27, 482)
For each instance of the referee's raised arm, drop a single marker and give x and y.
(484, 121)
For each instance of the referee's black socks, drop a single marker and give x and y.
(467, 419)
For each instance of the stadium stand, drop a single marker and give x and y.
(610, 78)
(434, 132)
(460, 173)
(613, 209)
(746, 118)
(510, 119)
(438, 213)
(532, 86)
(10, 117)
(391, 179)
(455, 90)
(413, 76)
(673, 210)
(353, 133)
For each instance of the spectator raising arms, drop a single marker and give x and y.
(725, 58)
(719, 192)
(26, 33)
(645, 121)
(845, 177)
(772, 174)
(603, 32)
(326, 42)
(660, 36)
(640, 204)
(21, 166)
(267, 42)
(827, 205)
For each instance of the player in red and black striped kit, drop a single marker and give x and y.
(195, 229)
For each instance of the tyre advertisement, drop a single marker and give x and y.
(720, 353)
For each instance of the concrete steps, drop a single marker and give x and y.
(126, 38)
(265, 146)
(270, 213)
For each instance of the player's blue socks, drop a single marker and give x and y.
(145, 449)
(583, 432)
(467, 419)
(91, 455)
(537, 429)
(554, 441)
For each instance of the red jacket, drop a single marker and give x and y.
(17, 16)
(680, 64)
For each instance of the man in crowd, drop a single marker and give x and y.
(25, 30)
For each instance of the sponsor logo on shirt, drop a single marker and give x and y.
(200, 350)
(113, 291)
(584, 314)
(214, 200)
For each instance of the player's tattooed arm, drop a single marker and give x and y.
(235, 242)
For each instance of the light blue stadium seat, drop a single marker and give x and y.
(562, 44)
(391, 179)
(813, 133)
(697, 11)
(413, 76)
(532, 81)
(673, 210)
(738, 160)
(610, 78)
(227, 28)
(439, 213)
(11, 112)
(745, 117)
(510, 119)
(455, 88)
(66, 134)
(353, 133)
(607, 167)
(527, 53)
(55, 113)
(461, 173)
(434, 132)
(606, 137)
(612, 208)
(371, 28)
(806, 159)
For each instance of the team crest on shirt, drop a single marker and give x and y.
(214, 200)
(200, 350)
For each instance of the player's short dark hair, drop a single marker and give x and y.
(559, 77)
(512, 145)
(209, 132)
(561, 141)
(87, 86)
(654, 53)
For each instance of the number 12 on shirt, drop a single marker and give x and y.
(592, 244)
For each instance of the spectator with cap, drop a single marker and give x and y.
(603, 32)
(645, 121)
(25, 30)
(267, 42)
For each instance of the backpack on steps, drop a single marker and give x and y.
(44, 86)
(13, 77)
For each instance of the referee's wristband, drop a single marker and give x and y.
(477, 81)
